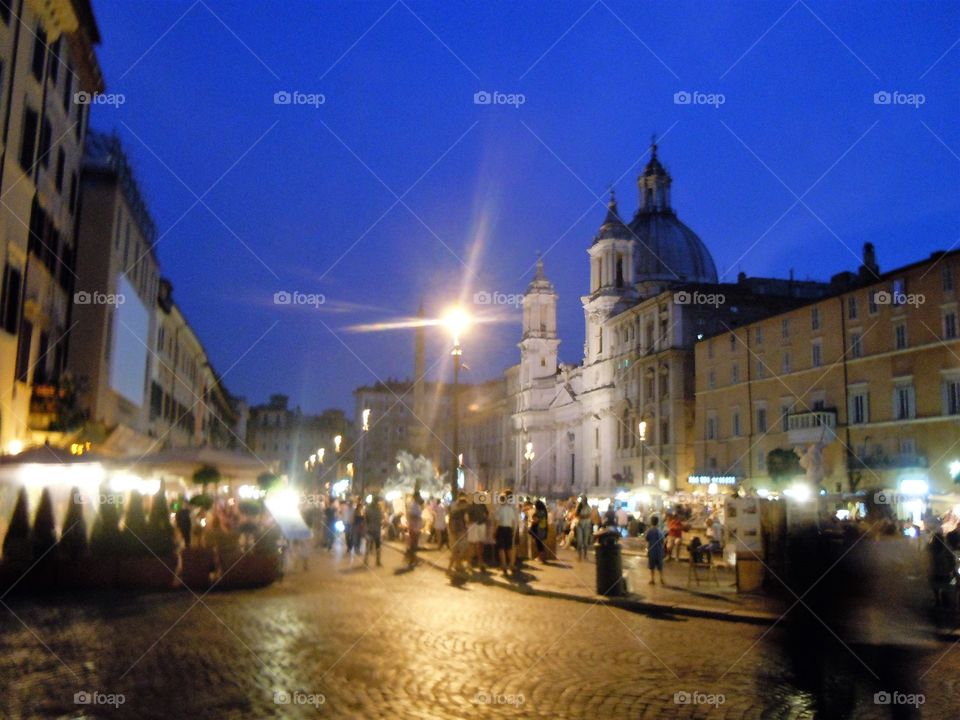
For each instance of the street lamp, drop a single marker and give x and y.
(643, 446)
(337, 439)
(456, 321)
(529, 455)
(365, 427)
(320, 454)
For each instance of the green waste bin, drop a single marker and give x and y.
(609, 564)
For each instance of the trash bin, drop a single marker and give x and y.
(609, 564)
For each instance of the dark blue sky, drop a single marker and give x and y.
(297, 190)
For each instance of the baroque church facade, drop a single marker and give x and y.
(623, 417)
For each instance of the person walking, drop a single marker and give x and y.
(584, 527)
(346, 517)
(373, 520)
(357, 527)
(414, 527)
(477, 532)
(655, 549)
(459, 544)
(508, 519)
(184, 522)
(440, 525)
(538, 529)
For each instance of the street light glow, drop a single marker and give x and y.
(643, 430)
(456, 321)
(366, 419)
(337, 439)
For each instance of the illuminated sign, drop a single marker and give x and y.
(710, 479)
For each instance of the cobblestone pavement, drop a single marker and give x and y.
(346, 642)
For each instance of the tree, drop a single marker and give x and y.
(159, 530)
(206, 475)
(105, 537)
(73, 536)
(134, 526)
(16, 543)
(783, 465)
(44, 536)
(267, 481)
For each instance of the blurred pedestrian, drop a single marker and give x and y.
(655, 549)
(373, 521)
(508, 520)
(414, 527)
(584, 528)
(538, 528)
(477, 531)
(440, 524)
(459, 544)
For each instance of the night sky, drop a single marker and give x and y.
(399, 187)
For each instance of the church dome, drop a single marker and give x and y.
(665, 249)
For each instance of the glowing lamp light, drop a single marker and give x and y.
(392, 495)
(15, 447)
(313, 459)
(340, 486)
(456, 321)
(643, 430)
(799, 492)
(763, 492)
(320, 453)
(249, 492)
(337, 439)
(366, 419)
(955, 469)
(665, 484)
(914, 487)
(369, 499)
(645, 498)
(339, 525)
(650, 477)
(350, 469)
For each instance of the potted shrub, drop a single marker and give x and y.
(139, 566)
(43, 541)
(257, 567)
(16, 543)
(105, 542)
(74, 556)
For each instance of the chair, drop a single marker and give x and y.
(693, 572)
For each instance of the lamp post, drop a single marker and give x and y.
(643, 449)
(529, 455)
(361, 463)
(457, 321)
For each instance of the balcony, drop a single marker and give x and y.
(882, 461)
(813, 426)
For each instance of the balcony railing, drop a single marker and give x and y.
(812, 426)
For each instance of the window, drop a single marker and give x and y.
(817, 356)
(61, 162)
(711, 380)
(28, 142)
(23, 351)
(951, 396)
(5, 11)
(872, 302)
(710, 349)
(904, 407)
(712, 428)
(758, 334)
(665, 433)
(735, 423)
(946, 276)
(785, 328)
(859, 408)
(46, 135)
(899, 297)
(55, 60)
(815, 318)
(761, 369)
(900, 335)
(39, 52)
(733, 342)
(761, 461)
(856, 344)
(10, 309)
(785, 363)
(908, 446)
(68, 89)
(784, 415)
(852, 307)
(950, 324)
(74, 188)
(735, 373)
